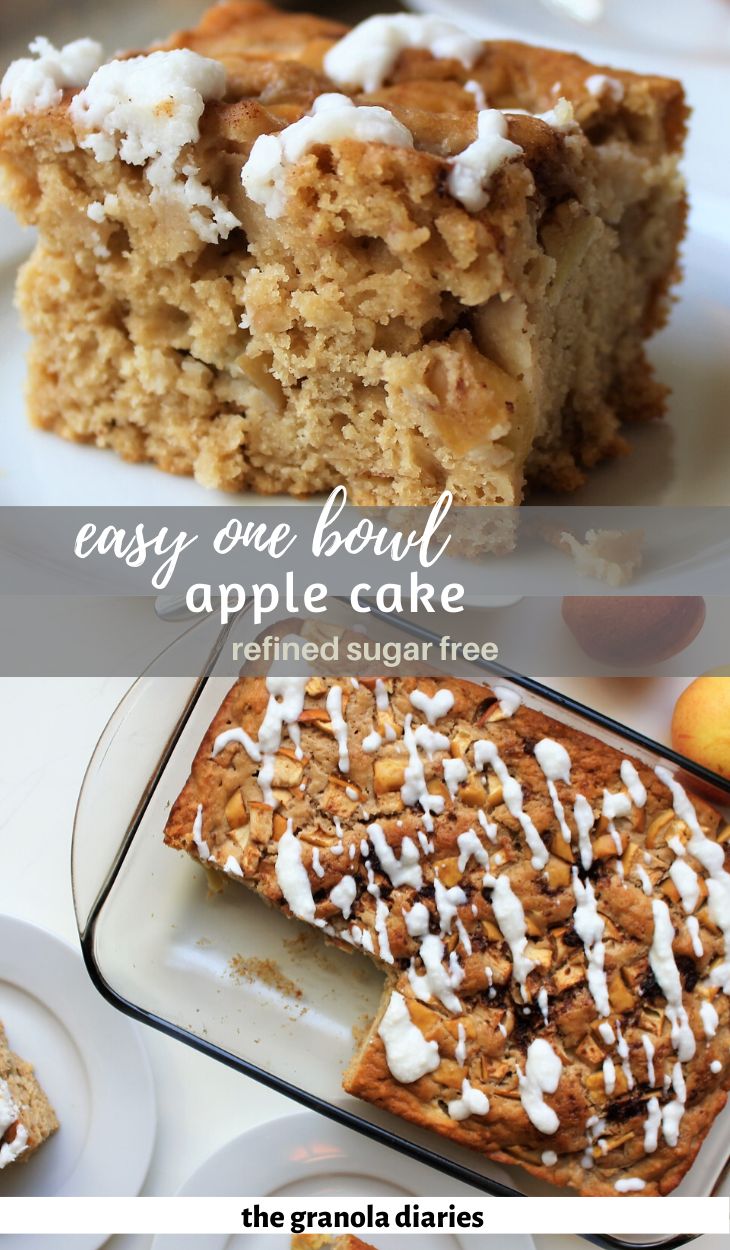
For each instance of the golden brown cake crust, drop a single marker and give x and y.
(334, 832)
(392, 339)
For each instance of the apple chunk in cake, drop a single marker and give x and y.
(282, 256)
(552, 918)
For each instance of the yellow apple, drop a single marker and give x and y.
(701, 723)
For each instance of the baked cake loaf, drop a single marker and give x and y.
(281, 256)
(27, 1119)
(553, 918)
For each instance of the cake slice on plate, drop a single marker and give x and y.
(281, 255)
(27, 1119)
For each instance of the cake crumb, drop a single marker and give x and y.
(252, 970)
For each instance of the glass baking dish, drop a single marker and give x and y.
(239, 981)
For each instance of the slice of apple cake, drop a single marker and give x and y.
(282, 255)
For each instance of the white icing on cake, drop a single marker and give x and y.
(232, 867)
(366, 56)
(661, 959)
(414, 789)
(200, 844)
(470, 845)
(408, 1055)
(584, 821)
(455, 771)
(37, 82)
(687, 883)
(343, 894)
(629, 1184)
(403, 871)
(589, 926)
(601, 85)
(509, 700)
(673, 1111)
(633, 783)
(436, 981)
(333, 118)
(472, 1102)
(417, 920)
(555, 764)
(709, 1018)
(9, 1115)
(541, 1076)
(472, 169)
(510, 916)
(339, 726)
(485, 752)
(146, 110)
(292, 876)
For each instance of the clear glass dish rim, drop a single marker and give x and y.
(313, 1102)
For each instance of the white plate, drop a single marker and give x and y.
(683, 460)
(307, 1156)
(91, 1062)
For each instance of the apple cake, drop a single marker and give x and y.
(27, 1119)
(324, 1241)
(282, 255)
(552, 916)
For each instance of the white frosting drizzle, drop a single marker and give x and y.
(487, 825)
(146, 110)
(433, 707)
(623, 1052)
(661, 959)
(436, 982)
(542, 1076)
(430, 740)
(555, 763)
(715, 1066)
(709, 1018)
(673, 1111)
(633, 783)
(381, 917)
(616, 804)
(584, 821)
(693, 928)
(472, 169)
(316, 862)
(472, 1102)
(9, 1115)
(408, 1055)
(485, 752)
(447, 903)
(509, 699)
(652, 1124)
(460, 1051)
(32, 84)
(549, 1158)
(648, 1045)
(645, 879)
(202, 846)
(293, 877)
(232, 867)
(510, 916)
(339, 725)
(417, 920)
(403, 871)
(242, 738)
(455, 771)
(464, 938)
(609, 1075)
(607, 1033)
(542, 1002)
(332, 118)
(589, 926)
(629, 1184)
(687, 883)
(602, 85)
(469, 845)
(414, 789)
(711, 856)
(343, 894)
(366, 56)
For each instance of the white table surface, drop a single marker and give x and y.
(48, 730)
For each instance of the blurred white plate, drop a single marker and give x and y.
(308, 1156)
(683, 460)
(91, 1062)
